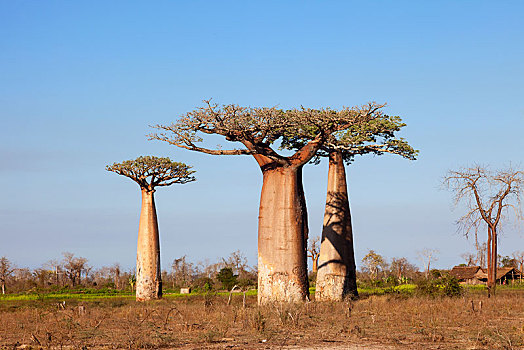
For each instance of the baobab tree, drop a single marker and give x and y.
(489, 196)
(150, 172)
(336, 278)
(313, 251)
(282, 226)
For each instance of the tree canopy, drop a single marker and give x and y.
(150, 172)
(376, 136)
(257, 128)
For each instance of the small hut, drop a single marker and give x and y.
(505, 275)
(468, 274)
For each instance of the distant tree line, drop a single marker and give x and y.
(376, 270)
(75, 272)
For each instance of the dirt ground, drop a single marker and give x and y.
(208, 322)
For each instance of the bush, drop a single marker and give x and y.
(312, 277)
(445, 285)
(202, 284)
(227, 278)
(246, 283)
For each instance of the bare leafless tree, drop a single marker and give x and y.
(427, 256)
(519, 258)
(482, 252)
(6, 269)
(489, 196)
(373, 263)
(115, 271)
(401, 268)
(74, 267)
(55, 266)
(182, 271)
(237, 261)
(469, 258)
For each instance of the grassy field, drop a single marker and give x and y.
(397, 319)
(90, 293)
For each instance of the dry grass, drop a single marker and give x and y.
(208, 322)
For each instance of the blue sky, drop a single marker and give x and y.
(82, 81)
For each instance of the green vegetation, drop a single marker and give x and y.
(443, 286)
(227, 278)
(406, 289)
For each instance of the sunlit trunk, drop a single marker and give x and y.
(491, 263)
(315, 264)
(494, 260)
(336, 277)
(148, 278)
(282, 260)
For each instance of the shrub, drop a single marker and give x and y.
(312, 277)
(227, 278)
(246, 283)
(445, 285)
(202, 284)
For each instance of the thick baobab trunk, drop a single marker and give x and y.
(336, 277)
(282, 232)
(148, 278)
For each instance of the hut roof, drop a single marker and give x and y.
(464, 272)
(503, 271)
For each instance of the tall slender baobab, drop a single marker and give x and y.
(282, 226)
(336, 277)
(313, 250)
(488, 196)
(150, 172)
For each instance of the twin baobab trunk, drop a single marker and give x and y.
(282, 234)
(336, 277)
(148, 277)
